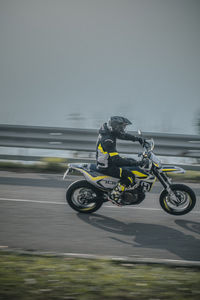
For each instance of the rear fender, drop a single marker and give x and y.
(90, 176)
(75, 166)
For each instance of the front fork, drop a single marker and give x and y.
(164, 179)
(166, 182)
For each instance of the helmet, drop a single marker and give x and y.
(118, 124)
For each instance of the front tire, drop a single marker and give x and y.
(180, 202)
(84, 197)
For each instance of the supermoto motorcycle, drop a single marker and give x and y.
(88, 195)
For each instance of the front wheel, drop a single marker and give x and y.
(83, 197)
(180, 201)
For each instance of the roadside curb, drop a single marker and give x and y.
(123, 259)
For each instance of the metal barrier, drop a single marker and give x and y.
(85, 140)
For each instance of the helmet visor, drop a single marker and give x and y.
(119, 128)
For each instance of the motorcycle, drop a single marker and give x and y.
(88, 195)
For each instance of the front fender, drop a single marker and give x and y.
(172, 169)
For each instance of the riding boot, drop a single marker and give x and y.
(116, 192)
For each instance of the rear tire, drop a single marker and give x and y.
(84, 197)
(182, 204)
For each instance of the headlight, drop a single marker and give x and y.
(149, 145)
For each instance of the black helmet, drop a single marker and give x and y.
(118, 124)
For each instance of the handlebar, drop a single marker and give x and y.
(148, 145)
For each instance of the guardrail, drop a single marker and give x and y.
(178, 145)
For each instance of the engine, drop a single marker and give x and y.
(132, 197)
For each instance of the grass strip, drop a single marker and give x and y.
(42, 277)
(44, 166)
(193, 176)
(58, 165)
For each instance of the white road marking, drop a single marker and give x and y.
(33, 201)
(139, 259)
(105, 206)
(131, 258)
(142, 208)
(55, 143)
(55, 133)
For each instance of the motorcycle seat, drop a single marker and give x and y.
(93, 168)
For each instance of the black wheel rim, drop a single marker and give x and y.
(178, 201)
(84, 199)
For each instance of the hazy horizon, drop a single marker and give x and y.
(74, 63)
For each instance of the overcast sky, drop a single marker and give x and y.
(62, 60)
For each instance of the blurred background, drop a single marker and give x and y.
(73, 63)
(66, 66)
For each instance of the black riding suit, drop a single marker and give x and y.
(109, 161)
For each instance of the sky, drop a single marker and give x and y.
(75, 63)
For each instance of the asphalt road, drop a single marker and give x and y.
(34, 216)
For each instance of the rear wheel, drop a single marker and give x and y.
(179, 202)
(84, 197)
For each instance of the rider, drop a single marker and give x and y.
(108, 159)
